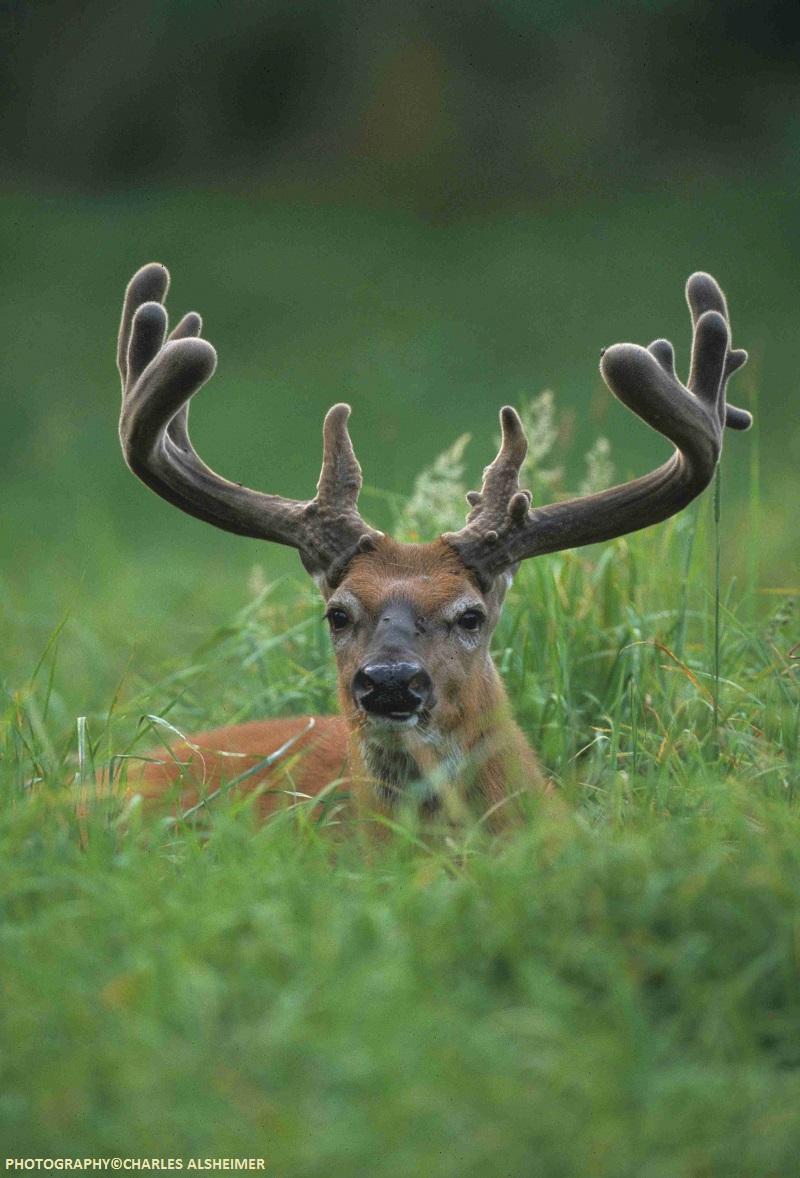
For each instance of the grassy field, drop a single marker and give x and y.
(614, 990)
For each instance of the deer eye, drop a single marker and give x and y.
(338, 619)
(471, 619)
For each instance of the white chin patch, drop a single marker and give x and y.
(401, 720)
(391, 748)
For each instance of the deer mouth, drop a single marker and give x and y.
(397, 727)
(392, 720)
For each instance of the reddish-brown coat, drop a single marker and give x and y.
(188, 772)
(473, 716)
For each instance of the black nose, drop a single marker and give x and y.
(392, 689)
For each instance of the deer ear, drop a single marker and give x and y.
(323, 585)
(502, 583)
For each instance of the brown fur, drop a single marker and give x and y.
(473, 751)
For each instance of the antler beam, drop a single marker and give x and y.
(502, 530)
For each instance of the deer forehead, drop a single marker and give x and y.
(429, 576)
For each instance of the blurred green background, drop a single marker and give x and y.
(425, 209)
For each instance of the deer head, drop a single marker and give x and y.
(411, 623)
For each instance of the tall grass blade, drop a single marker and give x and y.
(753, 548)
(717, 620)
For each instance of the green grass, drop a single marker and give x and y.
(612, 991)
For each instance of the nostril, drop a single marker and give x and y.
(362, 680)
(420, 683)
(364, 685)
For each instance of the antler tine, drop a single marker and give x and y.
(148, 285)
(160, 375)
(704, 294)
(340, 478)
(644, 379)
(500, 492)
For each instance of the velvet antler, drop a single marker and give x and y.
(160, 374)
(502, 529)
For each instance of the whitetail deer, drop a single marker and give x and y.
(424, 716)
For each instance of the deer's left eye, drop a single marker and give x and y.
(338, 619)
(471, 619)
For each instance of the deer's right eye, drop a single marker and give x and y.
(338, 619)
